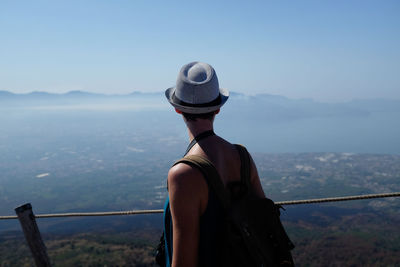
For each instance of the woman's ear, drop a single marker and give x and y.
(216, 112)
(178, 111)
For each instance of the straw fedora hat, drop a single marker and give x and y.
(197, 90)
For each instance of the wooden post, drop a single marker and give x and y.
(32, 235)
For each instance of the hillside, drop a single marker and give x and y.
(363, 239)
(356, 233)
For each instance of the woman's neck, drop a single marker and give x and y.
(198, 127)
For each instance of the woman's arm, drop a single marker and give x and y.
(255, 179)
(186, 188)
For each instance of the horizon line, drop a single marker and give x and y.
(232, 93)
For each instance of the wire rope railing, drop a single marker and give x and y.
(136, 212)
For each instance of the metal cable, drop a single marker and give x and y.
(135, 212)
(335, 199)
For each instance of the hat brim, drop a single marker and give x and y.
(223, 94)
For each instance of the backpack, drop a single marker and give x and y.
(254, 235)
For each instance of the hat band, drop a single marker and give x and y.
(215, 102)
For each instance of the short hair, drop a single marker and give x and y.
(194, 117)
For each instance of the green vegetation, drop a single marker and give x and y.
(353, 240)
(82, 250)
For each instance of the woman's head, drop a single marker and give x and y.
(197, 90)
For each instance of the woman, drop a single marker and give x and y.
(193, 215)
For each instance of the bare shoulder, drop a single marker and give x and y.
(184, 175)
(187, 185)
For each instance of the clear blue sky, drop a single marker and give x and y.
(326, 50)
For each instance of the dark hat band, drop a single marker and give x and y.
(213, 103)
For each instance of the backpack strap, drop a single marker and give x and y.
(210, 174)
(212, 177)
(245, 165)
(197, 138)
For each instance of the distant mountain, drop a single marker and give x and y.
(259, 105)
(41, 94)
(38, 98)
(379, 105)
(143, 94)
(83, 94)
(75, 93)
(6, 95)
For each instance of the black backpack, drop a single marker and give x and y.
(254, 235)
